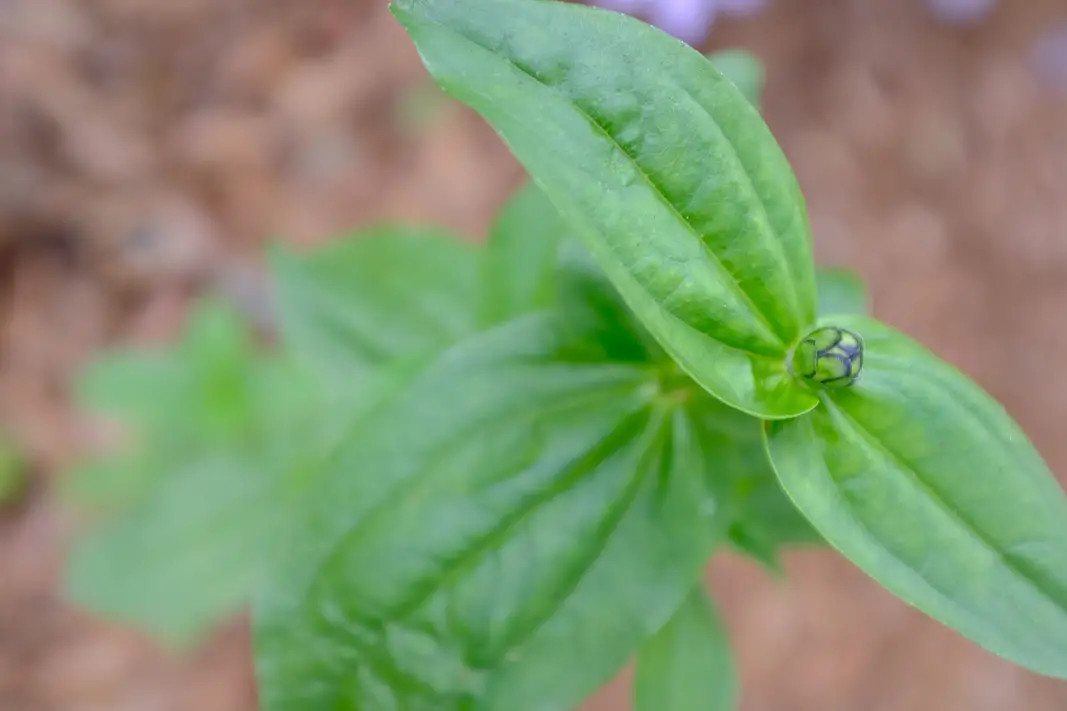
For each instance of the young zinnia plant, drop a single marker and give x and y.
(534, 506)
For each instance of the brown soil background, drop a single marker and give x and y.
(148, 148)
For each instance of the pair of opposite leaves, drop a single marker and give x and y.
(678, 190)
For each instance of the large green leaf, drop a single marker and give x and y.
(383, 293)
(520, 261)
(515, 524)
(660, 166)
(687, 665)
(924, 482)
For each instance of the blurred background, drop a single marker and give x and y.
(149, 151)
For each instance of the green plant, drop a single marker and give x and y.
(529, 451)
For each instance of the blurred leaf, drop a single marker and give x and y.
(380, 294)
(503, 514)
(769, 522)
(520, 260)
(195, 389)
(744, 70)
(176, 529)
(531, 264)
(204, 527)
(841, 292)
(204, 391)
(191, 553)
(104, 487)
(225, 437)
(13, 475)
(687, 665)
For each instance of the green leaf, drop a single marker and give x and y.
(197, 539)
(924, 482)
(520, 261)
(688, 665)
(516, 523)
(744, 70)
(176, 519)
(104, 487)
(190, 554)
(660, 167)
(386, 292)
(842, 292)
(179, 522)
(201, 392)
(13, 474)
(197, 389)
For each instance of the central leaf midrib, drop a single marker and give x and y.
(584, 462)
(398, 489)
(653, 431)
(783, 258)
(573, 473)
